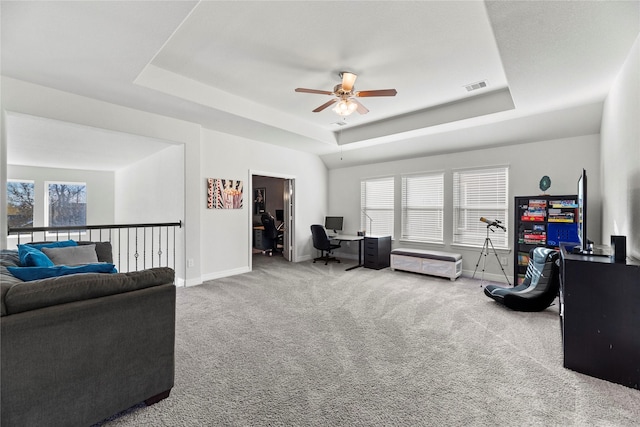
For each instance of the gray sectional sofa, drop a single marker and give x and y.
(80, 348)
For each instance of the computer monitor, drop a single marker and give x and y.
(333, 223)
(280, 215)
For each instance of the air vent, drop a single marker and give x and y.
(476, 86)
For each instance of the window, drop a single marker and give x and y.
(377, 204)
(67, 204)
(422, 207)
(20, 201)
(480, 193)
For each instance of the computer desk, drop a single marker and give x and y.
(351, 238)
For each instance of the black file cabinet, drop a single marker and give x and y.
(377, 252)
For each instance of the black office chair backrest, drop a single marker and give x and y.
(269, 224)
(320, 239)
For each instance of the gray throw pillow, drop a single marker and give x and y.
(72, 255)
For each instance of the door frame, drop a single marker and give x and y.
(289, 213)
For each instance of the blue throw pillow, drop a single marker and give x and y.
(60, 244)
(32, 257)
(36, 273)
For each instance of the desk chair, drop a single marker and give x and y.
(322, 243)
(271, 235)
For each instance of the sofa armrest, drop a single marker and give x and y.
(36, 294)
(79, 363)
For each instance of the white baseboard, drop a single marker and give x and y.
(226, 273)
(492, 277)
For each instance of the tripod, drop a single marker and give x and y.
(483, 257)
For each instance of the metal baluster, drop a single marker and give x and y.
(152, 252)
(136, 254)
(159, 246)
(119, 251)
(128, 250)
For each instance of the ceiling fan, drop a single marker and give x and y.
(345, 96)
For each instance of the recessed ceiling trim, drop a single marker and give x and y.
(165, 81)
(479, 105)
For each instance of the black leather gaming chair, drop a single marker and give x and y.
(271, 234)
(539, 288)
(323, 244)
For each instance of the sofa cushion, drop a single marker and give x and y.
(59, 244)
(32, 257)
(29, 274)
(104, 251)
(27, 296)
(72, 255)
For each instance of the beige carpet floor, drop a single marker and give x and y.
(312, 345)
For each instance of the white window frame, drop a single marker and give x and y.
(422, 207)
(480, 193)
(33, 212)
(377, 206)
(47, 184)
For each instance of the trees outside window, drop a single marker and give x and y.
(20, 201)
(67, 204)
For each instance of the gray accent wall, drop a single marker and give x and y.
(561, 159)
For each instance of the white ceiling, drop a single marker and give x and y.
(233, 66)
(42, 142)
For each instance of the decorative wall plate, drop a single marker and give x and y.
(545, 183)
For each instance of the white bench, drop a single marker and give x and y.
(436, 263)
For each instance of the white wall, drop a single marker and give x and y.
(621, 156)
(562, 160)
(218, 242)
(226, 237)
(27, 98)
(152, 191)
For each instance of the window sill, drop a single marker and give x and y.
(422, 242)
(479, 247)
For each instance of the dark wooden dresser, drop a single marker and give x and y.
(600, 317)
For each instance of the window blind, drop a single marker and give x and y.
(422, 207)
(377, 205)
(480, 193)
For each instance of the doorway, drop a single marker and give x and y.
(272, 194)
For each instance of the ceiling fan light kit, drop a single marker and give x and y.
(348, 80)
(345, 107)
(345, 95)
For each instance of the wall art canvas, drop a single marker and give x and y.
(224, 193)
(259, 200)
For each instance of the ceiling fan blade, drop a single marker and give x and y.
(325, 105)
(320, 92)
(381, 92)
(361, 108)
(348, 80)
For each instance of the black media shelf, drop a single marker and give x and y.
(543, 220)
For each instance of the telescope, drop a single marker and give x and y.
(494, 223)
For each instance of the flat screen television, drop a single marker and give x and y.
(280, 215)
(333, 223)
(582, 214)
